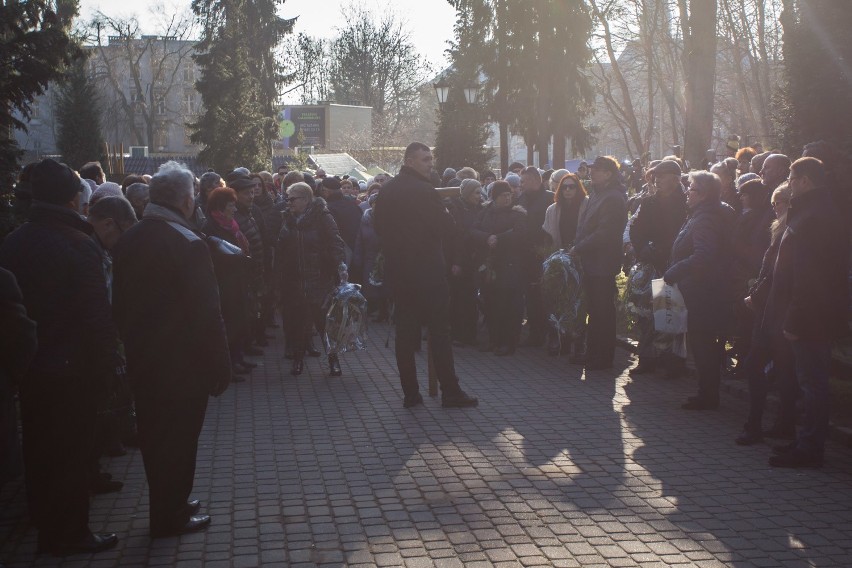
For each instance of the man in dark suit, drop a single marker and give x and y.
(166, 305)
(413, 224)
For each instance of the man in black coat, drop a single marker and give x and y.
(599, 245)
(18, 337)
(535, 199)
(652, 233)
(413, 225)
(166, 304)
(809, 301)
(60, 273)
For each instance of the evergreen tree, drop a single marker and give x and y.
(817, 56)
(35, 48)
(462, 133)
(532, 56)
(78, 113)
(240, 81)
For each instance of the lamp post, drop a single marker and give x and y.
(442, 89)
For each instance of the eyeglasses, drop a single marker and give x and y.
(569, 186)
(295, 197)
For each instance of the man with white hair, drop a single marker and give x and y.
(166, 305)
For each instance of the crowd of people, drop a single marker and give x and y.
(130, 304)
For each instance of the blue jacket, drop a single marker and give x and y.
(701, 266)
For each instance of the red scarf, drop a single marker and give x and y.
(232, 227)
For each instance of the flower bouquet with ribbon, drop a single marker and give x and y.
(346, 318)
(562, 294)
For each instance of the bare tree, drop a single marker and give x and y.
(309, 61)
(374, 62)
(147, 80)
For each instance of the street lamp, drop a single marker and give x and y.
(442, 88)
(471, 94)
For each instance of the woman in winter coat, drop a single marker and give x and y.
(500, 233)
(367, 247)
(232, 267)
(464, 314)
(768, 344)
(701, 267)
(308, 258)
(570, 199)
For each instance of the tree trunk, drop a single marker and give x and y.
(504, 148)
(700, 73)
(559, 145)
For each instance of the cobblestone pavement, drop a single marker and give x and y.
(553, 469)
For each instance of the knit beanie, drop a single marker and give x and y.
(53, 182)
(469, 187)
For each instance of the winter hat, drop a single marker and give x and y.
(332, 183)
(469, 187)
(106, 189)
(498, 188)
(514, 180)
(449, 172)
(53, 182)
(745, 178)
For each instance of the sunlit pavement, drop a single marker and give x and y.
(552, 469)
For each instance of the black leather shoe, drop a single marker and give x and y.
(311, 350)
(297, 368)
(412, 401)
(780, 432)
(194, 524)
(784, 448)
(193, 506)
(642, 369)
(749, 438)
(795, 459)
(237, 370)
(334, 369)
(245, 364)
(460, 400)
(534, 341)
(699, 404)
(237, 377)
(92, 544)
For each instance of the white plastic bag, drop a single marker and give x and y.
(669, 307)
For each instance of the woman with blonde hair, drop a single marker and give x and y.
(768, 344)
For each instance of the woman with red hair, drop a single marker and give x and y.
(560, 222)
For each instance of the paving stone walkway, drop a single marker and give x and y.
(553, 469)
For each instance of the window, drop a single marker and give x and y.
(160, 103)
(189, 103)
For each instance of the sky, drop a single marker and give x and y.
(429, 21)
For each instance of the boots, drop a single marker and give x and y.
(311, 349)
(298, 366)
(334, 369)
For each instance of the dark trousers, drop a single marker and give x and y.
(707, 348)
(766, 348)
(299, 322)
(168, 438)
(58, 435)
(813, 361)
(536, 319)
(600, 293)
(464, 314)
(647, 351)
(414, 309)
(505, 307)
